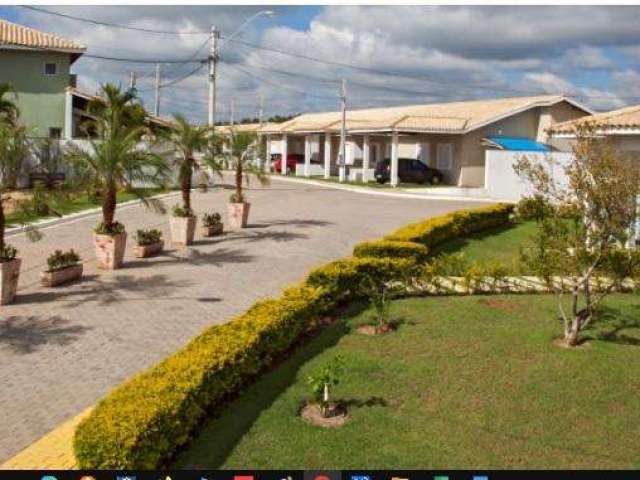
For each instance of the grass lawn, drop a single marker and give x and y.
(502, 243)
(72, 206)
(465, 382)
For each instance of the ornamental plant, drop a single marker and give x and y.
(323, 380)
(211, 219)
(148, 237)
(60, 260)
(244, 151)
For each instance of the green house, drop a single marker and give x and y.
(37, 64)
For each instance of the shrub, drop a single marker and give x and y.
(148, 237)
(436, 230)
(140, 424)
(181, 211)
(211, 219)
(342, 280)
(390, 248)
(535, 208)
(323, 380)
(60, 260)
(8, 253)
(114, 229)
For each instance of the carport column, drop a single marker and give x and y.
(365, 159)
(267, 155)
(68, 115)
(307, 155)
(327, 155)
(394, 159)
(283, 155)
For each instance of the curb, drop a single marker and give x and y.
(400, 193)
(51, 222)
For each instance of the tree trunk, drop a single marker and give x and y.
(2, 225)
(109, 206)
(239, 198)
(185, 185)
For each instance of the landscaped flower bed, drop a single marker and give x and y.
(148, 243)
(63, 267)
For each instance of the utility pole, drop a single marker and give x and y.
(232, 112)
(343, 134)
(261, 110)
(213, 60)
(132, 81)
(156, 109)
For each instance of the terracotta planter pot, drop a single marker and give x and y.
(9, 276)
(53, 279)
(110, 250)
(144, 251)
(211, 231)
(183, 230)
(238, 214)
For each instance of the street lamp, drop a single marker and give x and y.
(213, 58)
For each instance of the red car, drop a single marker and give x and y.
(292, 160)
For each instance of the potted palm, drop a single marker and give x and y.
(186, 140)
(63, 267)
(114, 160)
(211, 224)
(148, 243)
(244, 151)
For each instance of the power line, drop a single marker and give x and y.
(111, 25)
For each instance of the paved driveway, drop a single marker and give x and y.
(62, 349)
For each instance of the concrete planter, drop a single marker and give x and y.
(238, 214)
(9, 276)
(211, 231)
(144, 251)
(110, 250)
(69, 274)
(183, 230)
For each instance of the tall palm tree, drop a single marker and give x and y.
(186, 139)
(115, 158)
(8, 109)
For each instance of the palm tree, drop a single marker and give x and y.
(115, 158)
(186, 139)
(8, 109)
(244, 150)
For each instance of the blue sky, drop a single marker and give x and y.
(401, 54)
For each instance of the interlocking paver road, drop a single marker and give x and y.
(62, 349)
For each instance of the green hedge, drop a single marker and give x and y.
(340, 280)
(142, 422)
(391, 248)
(434, 231)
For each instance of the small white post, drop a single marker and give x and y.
(394, 159)
(283, 155)
(365, 158)
(327, 156)
(68, 115)
(307, 155)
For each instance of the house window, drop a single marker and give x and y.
(50, 68)
(444, 156)
(55, 133)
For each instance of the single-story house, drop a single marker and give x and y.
(622, 125)
(452, 137)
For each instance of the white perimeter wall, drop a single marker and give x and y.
(501, 181)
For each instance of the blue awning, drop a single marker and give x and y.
(520, 144)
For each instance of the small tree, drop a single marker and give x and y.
(116, 158)
(187, 139)
(325, 379)
(8, 109)
(244, 149)
(584, 225)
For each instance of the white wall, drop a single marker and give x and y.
(501, 181)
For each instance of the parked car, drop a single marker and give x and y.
(409, 170)
(292, 160)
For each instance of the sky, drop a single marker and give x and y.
(388, 55)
